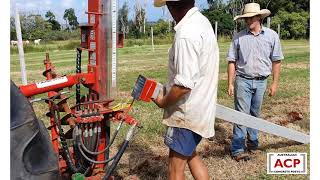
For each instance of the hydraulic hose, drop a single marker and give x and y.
(118, 156)
(78, 137)
(64, 145)
(106, 148)
(78, 70)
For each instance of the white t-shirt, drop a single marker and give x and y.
(194, 64)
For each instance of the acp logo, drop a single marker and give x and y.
(287, 163)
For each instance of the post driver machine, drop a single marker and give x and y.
(80, 134)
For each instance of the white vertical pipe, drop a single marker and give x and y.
(145, 15)
(268, 22)
(216, 29)
(152, 39)
(20, 49)
(279, 30)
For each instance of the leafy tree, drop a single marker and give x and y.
(33, 26)
(136, 25)
(131, 30)
(298, 8)
(139, 17)
(160, 28)
(272, 5)
(25, 28)
(55, 25)
(215, 4)
(52, 20)
(13, 35)
(285, 5)
(293, 25)
(225, 20)
(50, 16)
(38, 27)
(70, 18)
(123, 18)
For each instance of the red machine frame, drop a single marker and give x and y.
(94, 40)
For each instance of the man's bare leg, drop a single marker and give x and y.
(198, 170)
(177, 165)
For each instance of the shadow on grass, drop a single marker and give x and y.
(279, 145)
(143, 164)
(219, 145)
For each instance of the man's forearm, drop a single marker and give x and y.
(173, 96)
(276, 66)
(231, 72)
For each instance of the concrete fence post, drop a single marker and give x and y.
(216, 29)
(152, 39)
(20, 49)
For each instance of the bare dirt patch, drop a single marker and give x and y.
(297, 65)
(148, 160)
(223, 76)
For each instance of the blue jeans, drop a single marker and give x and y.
(248, 97)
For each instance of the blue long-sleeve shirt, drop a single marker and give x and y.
(252, 54)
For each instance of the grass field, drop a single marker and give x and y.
(146, 156)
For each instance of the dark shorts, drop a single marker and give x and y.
(182, 141)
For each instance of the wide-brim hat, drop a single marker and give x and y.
(159, 3)
(253, 9)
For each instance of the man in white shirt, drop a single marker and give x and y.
(189, 98)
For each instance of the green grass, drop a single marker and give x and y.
(293, 93)
(72, 44)
(47, 46)
(136, 60)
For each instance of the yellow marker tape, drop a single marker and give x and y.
(120, 106)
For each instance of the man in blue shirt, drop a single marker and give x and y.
(254, 54)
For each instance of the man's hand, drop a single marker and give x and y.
(230, 90)
(273, 89)
(159, 100)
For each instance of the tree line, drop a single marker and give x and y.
(292, 15)
(34, 26)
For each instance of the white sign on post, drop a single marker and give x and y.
(287, 163)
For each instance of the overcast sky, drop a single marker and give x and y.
(58, 7)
